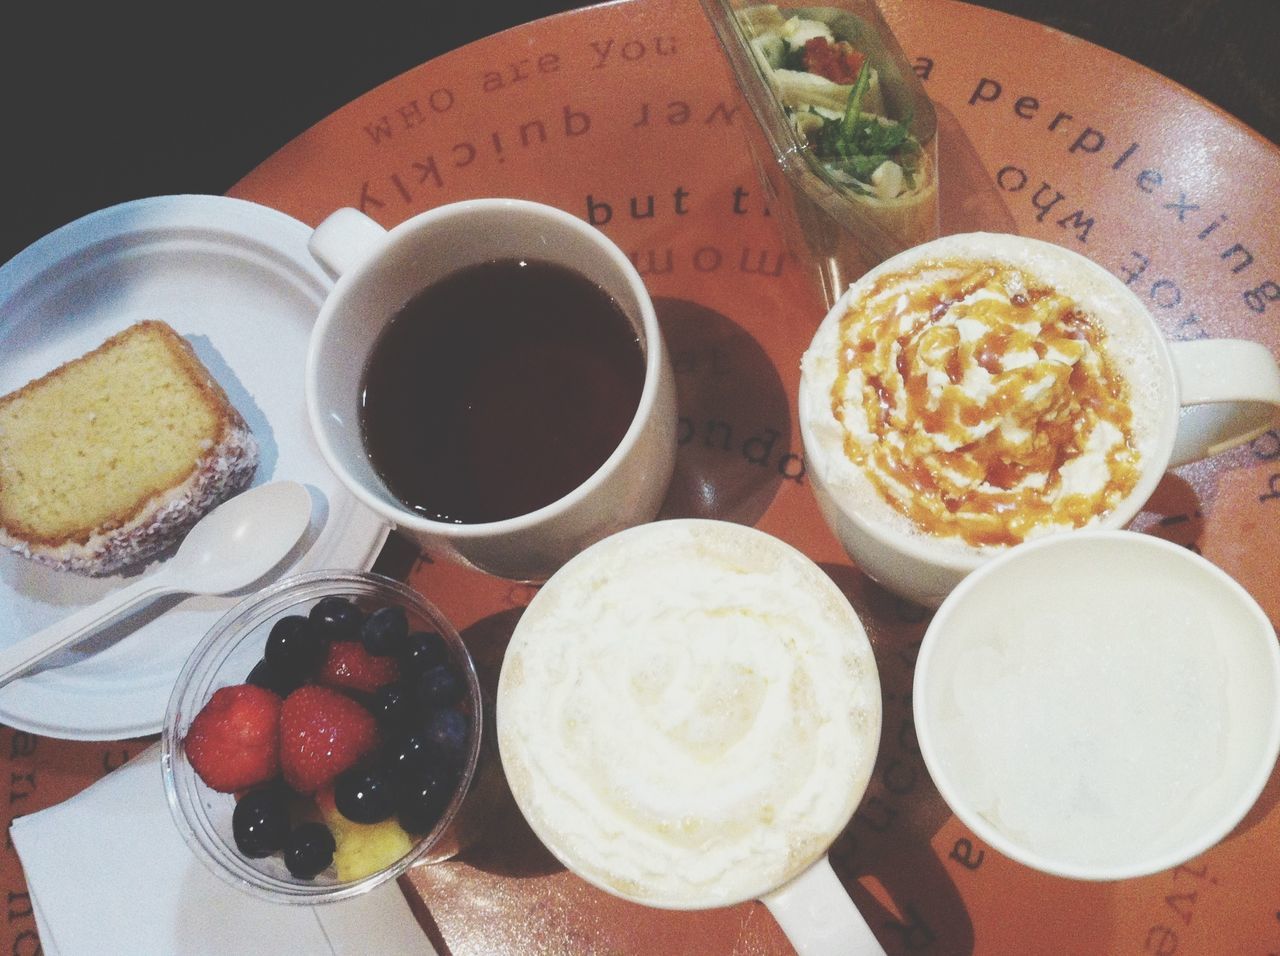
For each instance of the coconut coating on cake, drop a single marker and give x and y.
(109, 459)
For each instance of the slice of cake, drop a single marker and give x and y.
(110, 458)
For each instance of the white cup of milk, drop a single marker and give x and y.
(688, 715)
(1099, 705)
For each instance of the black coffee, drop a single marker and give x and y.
(498, 390)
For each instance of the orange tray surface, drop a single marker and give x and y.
(626, 116)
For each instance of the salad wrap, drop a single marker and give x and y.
(847, 121)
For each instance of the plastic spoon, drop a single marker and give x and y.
(233, 545)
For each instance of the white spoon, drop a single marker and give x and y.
(233, 545)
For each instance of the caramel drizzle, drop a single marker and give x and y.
(987, 468)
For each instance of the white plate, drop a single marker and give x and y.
(236, 280)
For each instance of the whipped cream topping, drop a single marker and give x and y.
(689, 713)
(982, 403)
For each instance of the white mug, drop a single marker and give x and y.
(688, 715)
(378, 271)
(1207, 396)
(1099, 705)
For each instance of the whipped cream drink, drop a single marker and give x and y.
(984, 390)
(688, 713)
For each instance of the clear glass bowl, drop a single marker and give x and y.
(225, 657)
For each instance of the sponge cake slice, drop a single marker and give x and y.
(109, 459)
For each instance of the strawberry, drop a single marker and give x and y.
(322, 733)
(348, 665)
(234, 742)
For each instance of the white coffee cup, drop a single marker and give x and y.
(378, 271)
(1099, 705)
(1200, 398)
(688, 715)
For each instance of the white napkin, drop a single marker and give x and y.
(109, 873)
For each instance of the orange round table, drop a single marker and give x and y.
(626, 116)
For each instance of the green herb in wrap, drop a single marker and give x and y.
(859, 144)
(831, 93)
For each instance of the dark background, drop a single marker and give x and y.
(125, 100)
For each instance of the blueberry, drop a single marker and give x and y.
(421, 651)
(421, 798)
(335, 618)
(364, 795)
(260, 821)
(309, 850)
(293, 648)
(385, 630)
(265, 676)
(447, 734)
(409, 754)
(392, 705)
(439, 687)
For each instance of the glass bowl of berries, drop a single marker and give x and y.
(321, 737)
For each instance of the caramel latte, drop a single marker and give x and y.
(985, 396)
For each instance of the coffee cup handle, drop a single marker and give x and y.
(1230, 393)
(345, 239)
(819, 918)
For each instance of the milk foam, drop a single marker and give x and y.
(1132, 348)
(1085, 740)
(689, 713)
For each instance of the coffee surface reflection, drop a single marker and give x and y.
(498, 390)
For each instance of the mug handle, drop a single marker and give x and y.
(344, 240)
(818, 916)
(1230, 393)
